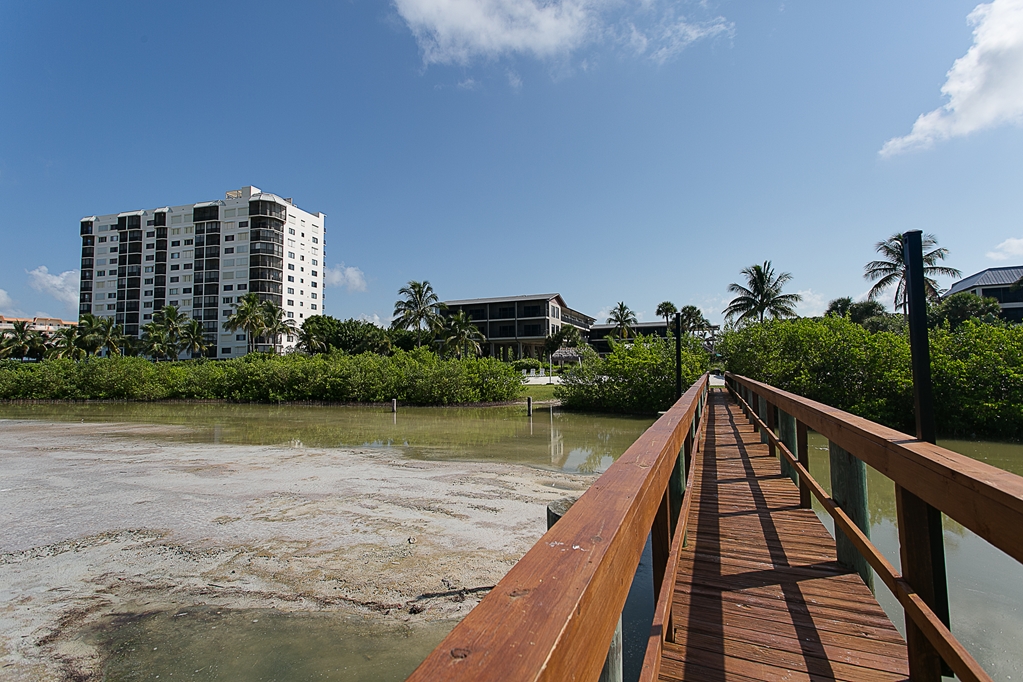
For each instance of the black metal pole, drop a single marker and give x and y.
(930, 553)
(916, 298)
(678, 355)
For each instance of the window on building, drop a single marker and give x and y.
(113, 249)
(301, 257)
(176, 242)
(186, 278)
(147, 316)
(228, 237)
(242, 223)
(243, 287)
(151, 257)
(149, 280)
(173, 292)
(175, 230)
(151, 234)
(291, 254)
(316, 240)
(101, 240)
(229, 249)
(189, 242)
(186, 290)
(149, 268)
(315, 262)
(225, 351)
(111, 295)
(291, 302)
(151, 245)
(227, 299)
(175, 267)
(313, 284)
(147, 304)
(313, 306)
(101, 273)
(291, 230)
(290, 278)
(148, 292)
(291, 266)
(291, 290)
(111, 306)
(188, 266)
(313, 294)
(175, 279)
(225, 313)
(228, 287)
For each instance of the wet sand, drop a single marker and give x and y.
(96, 524)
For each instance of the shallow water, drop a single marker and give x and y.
(262, 645)
(985, 585)
(550, 438)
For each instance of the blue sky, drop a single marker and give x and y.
(610, 150)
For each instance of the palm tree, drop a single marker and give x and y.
(275, 324)
(418, 308)
(191, 339)
(247, 316)
(89, 333)
(693, 319)
(65, 344)
(666, 309)
(622, 317)
(157, 341)
(462, 335)
(171, 319)
(762, 295)
(19, 341)
(107, 335)
(891, 269)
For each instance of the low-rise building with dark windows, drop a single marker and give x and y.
(517, 326)
(996, 283)
(202, 258)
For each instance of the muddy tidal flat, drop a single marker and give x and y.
(100, 529)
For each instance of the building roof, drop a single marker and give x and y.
(507, 299)
(267, 196)
(638, 325)
(992, 277)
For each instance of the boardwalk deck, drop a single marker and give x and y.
(759, 593)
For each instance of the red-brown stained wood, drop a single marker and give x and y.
(552, 616)
(985, 499)
(759, 593)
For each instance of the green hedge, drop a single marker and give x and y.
(977, 371)
(418, 377)
(637, 377)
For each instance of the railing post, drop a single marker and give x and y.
(787, 433)
(920, 531)
(771, 450)
(803, 455)
(612, 671)
(849, 490)
(761, 408)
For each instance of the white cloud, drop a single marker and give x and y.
(349, 277)
(1010, 248)
(984, 87)
(468, 84)
(6, 302)
(461, 31)
(63, 287)
(373, 319)
(514, 80)
(812, 305)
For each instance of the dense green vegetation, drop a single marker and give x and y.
(977, 370)
(635, 377)
(418, 377)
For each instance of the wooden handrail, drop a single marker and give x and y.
(950, 649)
(552, 616)
(985, 499)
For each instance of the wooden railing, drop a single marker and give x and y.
(553, 615)
(987, 500)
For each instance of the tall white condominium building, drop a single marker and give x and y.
(202, 258)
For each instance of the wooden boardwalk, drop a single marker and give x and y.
(759, 593)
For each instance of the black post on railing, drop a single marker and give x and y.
(678, 355)
(920, 532)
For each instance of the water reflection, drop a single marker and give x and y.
(549, 439)
(985, 585)
(226, 645)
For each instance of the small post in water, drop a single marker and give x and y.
(394, 404)
(529, 406)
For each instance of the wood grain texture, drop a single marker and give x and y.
(552, 616)
(985, 499)
(759, 594)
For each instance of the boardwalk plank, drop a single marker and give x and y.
(759, 593)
